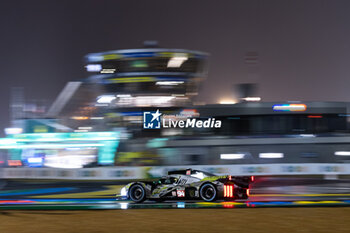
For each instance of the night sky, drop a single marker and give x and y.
(303, 46)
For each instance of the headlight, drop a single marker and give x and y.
(123, 192)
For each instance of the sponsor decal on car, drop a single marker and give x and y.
(180, 193)
(212, 178)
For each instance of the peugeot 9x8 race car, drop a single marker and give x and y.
(188, 185)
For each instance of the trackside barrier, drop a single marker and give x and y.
(130, 173)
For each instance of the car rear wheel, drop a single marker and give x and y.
(208, 192)
(137, 193)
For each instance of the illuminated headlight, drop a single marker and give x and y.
(123, 192)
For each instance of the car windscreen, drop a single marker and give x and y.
(201, 174)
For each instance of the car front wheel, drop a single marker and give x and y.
(208, 192)
(137, 193)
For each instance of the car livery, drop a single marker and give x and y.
(188, 184)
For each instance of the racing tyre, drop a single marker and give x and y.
(208, 192)
(137, 193)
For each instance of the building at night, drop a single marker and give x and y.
(120, 85)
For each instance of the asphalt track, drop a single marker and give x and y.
(265, 192)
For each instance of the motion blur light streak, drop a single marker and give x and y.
(252, 99)
(56, 137)
(105, 99)
(93, 67)
(147, 101)
(96, 118)
(123, 95)
(181, 205)
(271, 155)
(152, 101)
(176, 62)
(289, 107)
(314, 116)
(342, 153)
(169, 83)
(35, 160)
(85, 127)
(14, 163)
(13, 130)
(68, 161)
(107, 71)
(228, 205)
(132, 80)
(307, 135)
(50, 146)
(124, 205)
(6, 141)
(227, 101)
(232, 156)
(80, 118)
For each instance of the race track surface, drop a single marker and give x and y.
(272, 220)
(265, 192)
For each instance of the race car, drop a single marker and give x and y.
(188, 185)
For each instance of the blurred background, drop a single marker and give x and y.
(77, 77)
